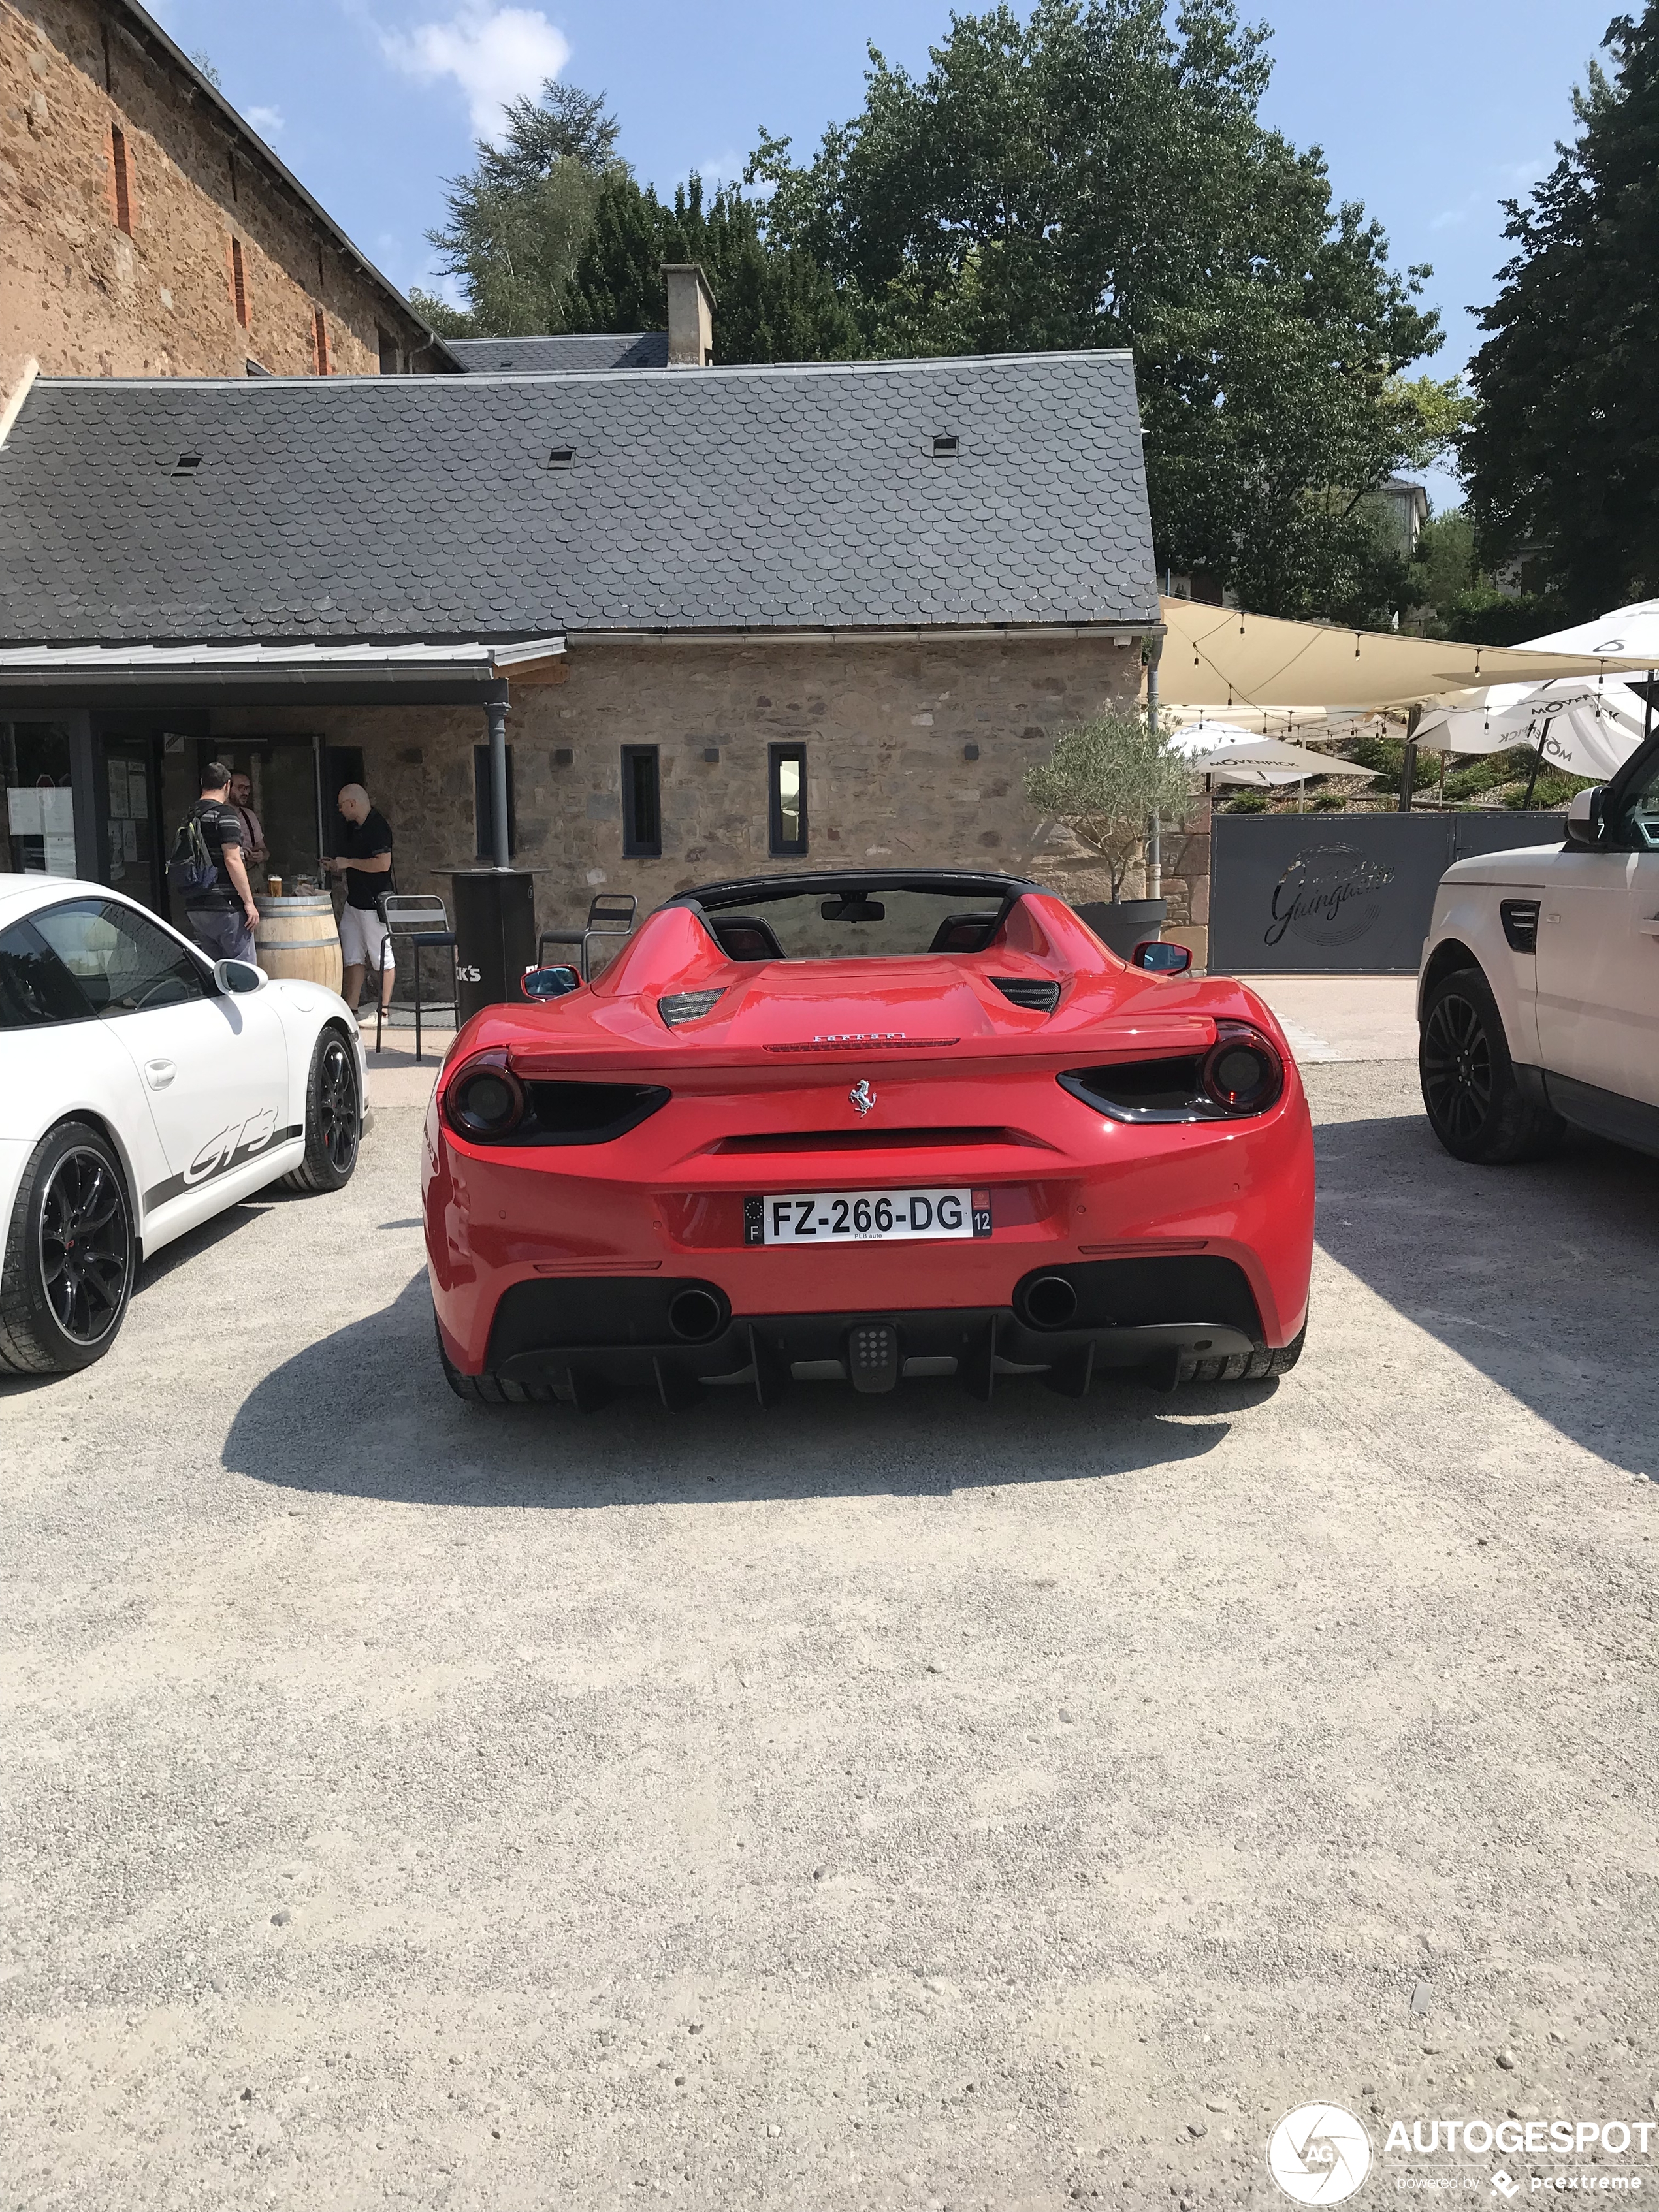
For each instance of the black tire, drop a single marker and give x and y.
(70, 1255)
(1474, 1102)
(489, 1389)
(334, 1116)
(1245, 1366)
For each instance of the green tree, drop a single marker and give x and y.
(1087, 177)
(776, 302)
(1105, 779)
(1562, 458)
(519, 220)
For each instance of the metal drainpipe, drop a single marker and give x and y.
(1155, 847)
(496, 711)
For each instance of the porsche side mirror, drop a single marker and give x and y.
(1159, 959)
(237, 975)
(549, 982)
(1584, 823)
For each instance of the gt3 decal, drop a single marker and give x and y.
(233, 1146)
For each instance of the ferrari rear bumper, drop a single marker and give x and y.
(584, 1341)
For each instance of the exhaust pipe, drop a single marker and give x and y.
(694, 1314)
(1051, 1301)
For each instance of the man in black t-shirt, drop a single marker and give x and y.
(223, 920)
(366, 864)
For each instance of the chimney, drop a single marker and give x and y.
(691, 315)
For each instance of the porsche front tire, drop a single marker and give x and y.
(70, 1255)
(334, 1117)
(1474, 1099)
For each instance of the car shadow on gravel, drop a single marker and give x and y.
(1544, 1276)
(311, 1426)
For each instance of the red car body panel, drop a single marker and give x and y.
(965, 1093)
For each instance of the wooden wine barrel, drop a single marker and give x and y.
(298, 938)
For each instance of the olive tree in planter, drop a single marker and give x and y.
(1107, 780)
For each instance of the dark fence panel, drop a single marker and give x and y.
(1341, 894)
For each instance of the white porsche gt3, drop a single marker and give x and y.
(144, 1087)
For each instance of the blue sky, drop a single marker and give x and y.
(1429, 111)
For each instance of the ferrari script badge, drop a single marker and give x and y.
(862, 1097)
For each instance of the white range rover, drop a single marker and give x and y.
(1538, 997)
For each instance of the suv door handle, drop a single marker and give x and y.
(158, 1073)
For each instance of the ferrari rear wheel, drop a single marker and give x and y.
(70, 1255)
(489, 1389)
(1474, 1100)
(1244, 1366)
(334, 1117)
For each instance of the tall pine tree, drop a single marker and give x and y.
(1562, 459)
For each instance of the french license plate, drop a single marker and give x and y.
(859, 1216)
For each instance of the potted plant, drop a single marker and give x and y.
(1107, 779)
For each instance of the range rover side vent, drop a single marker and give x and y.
(1520, 919)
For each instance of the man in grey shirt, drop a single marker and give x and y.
(223, 920)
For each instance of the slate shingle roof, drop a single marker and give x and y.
(563, 355)
(694, 499)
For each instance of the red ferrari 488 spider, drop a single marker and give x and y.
(867, 1128)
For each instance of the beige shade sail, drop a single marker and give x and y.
(1216, 657)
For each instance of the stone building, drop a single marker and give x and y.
(145, 230)
(740, 618)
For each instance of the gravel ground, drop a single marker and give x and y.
(875, 1802)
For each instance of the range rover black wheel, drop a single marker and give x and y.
(1475, 1103)
(69, 1256)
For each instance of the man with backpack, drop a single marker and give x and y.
(209, 871)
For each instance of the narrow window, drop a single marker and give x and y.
(118, 148)
(390, 362)
(642, 798)
(320, 340)
(484, 804)
(239, 282)
(786, 768)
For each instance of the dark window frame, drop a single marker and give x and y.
(239, 283)
(118, 161)
(483, 804)
(641, 840)
(780, 846)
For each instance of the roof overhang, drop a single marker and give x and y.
(451, 673)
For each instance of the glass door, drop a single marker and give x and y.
(34, 762)
(128, 800)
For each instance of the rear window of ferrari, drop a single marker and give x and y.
(855, 924)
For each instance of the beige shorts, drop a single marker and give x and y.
(363, 939)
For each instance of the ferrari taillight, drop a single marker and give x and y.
(484, 1099)
(1242, 1074)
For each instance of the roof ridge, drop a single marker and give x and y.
(907, 364)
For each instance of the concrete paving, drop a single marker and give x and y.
(871, 1802)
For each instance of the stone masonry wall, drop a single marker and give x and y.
(84, 296)
(886, 727)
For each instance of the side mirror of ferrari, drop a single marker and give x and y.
(230, 976)
(1161, 959)
(549, 982)
(1584, 823)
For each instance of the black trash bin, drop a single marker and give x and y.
(494, 936)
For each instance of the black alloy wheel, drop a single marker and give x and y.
(334, 1117)
(337, 1105)
(1456, 1063)
(70, 1255)
(1478, 1105)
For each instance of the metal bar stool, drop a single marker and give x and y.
(611, 914)
(416, 919)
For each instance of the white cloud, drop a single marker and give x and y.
(269, 122)
(495, 55)
(725, 169)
